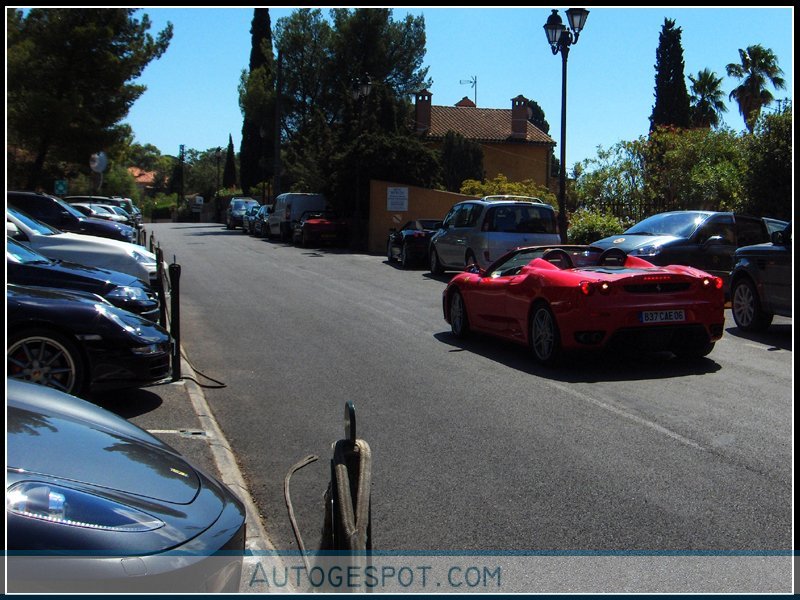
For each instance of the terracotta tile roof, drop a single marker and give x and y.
(141, 176)
(481, 125)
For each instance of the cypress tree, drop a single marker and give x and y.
(672, 99)
(229, 174)
(255, 154)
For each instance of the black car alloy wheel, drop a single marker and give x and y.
(47, 358)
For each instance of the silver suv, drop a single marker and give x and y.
(478, 232)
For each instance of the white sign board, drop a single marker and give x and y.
(397, 199)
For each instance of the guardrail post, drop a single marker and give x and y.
(175, 318)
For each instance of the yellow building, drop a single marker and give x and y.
(511, 144)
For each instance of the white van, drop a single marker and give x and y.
(288, 208)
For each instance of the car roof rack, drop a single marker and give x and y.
(512, 198)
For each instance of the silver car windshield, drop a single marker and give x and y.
(31, 223)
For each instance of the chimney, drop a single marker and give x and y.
(519, 117)
(423, 112)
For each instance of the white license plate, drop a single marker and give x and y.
(662, 316)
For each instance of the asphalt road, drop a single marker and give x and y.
(475, 446)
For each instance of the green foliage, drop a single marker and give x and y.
(501, 185)
(589, 225)
(69, 78)
(461, 159)
(768, 176)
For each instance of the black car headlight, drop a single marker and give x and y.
(134, 294)
(66, 506)
(650, 250)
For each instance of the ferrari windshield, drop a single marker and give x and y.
(679, 224)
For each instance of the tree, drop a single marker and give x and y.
(768, 177)
(69, 75)
(461, 159)
(757, 67)
(229, 173)
(706, 99)
(257, 102)
(672, 99)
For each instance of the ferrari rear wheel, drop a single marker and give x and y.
(697, 351)
(544, 336)
(459, 323)
(47, 358)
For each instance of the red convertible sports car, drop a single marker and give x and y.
(558, 298)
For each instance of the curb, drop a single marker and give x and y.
(257, 543)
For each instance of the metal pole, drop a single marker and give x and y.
(562, 174)
(175, 318)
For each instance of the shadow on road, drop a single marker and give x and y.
(127, 403)
(583, 367)
(777, 337)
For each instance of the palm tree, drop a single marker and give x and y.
(758, 66)
(706, 99)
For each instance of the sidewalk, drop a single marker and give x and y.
(177, 413)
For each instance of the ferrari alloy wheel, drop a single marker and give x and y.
(746, 307)
(459, 323)
(47, 358)
(544, 337)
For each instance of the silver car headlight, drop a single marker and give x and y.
(143, 257)
(65, 506)
(128, 293)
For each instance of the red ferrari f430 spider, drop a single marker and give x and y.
(560, 298)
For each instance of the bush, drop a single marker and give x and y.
(587, 226)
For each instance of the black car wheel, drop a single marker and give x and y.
(47, 358)
(544, 336)
(459, 323)
(436, 266)
(746, 307)
(389, 255)
(404, 261)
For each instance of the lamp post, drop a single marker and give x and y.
(560, 39)
(360, 90)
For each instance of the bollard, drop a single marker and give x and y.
(175, 319)
(160, 291)
(350, 520)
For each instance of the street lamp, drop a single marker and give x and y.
(360, 90)
(560, 39)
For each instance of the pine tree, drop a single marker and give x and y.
(672, 99)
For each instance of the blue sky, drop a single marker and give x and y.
(192, 95)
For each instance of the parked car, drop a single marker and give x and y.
(82, 249)
(125, 203)
(319, 227)
(236, 210)
(96, 504)
(288, 208)
(57, 213)
(761, 282)
(249, 217)
(478, 232)
(100, 211)
(130, 218)
(78, 342)
(698, 238)
(260, 223)
(409, 244)
(559, 298)
(25, 266)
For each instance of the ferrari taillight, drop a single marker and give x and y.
(589, 287)
(712, 283)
